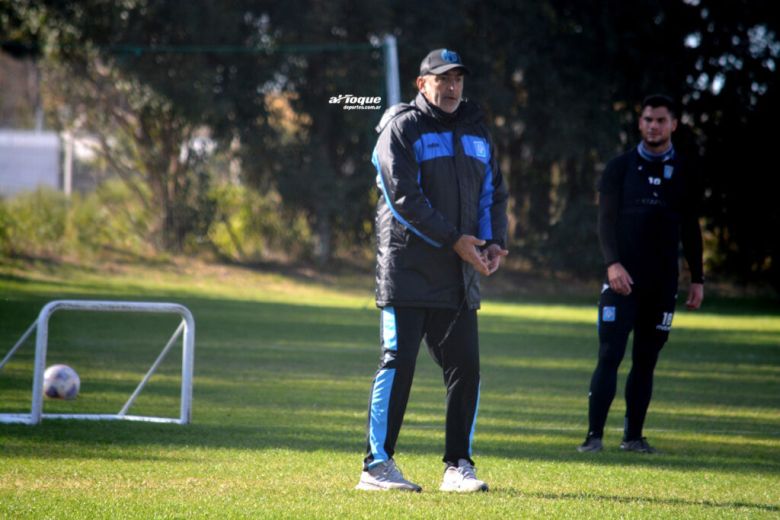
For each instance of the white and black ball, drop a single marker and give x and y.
(61, 382)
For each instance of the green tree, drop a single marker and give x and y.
(560, 81)
(155, 111)
(143, 138)
(732, 100)
(182, 71)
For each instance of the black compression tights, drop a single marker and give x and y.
(639, 385)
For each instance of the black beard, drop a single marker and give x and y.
(656, 143)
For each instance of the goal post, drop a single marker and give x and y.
(186, 330)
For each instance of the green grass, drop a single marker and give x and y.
(283, 369)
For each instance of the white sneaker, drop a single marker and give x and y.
(462, 479)
(385, 476)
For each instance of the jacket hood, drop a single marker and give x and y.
(391, 113)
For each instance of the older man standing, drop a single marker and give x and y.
(441, 219)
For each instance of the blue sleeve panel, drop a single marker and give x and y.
(485, 204)
(389, 202)
(479, 148)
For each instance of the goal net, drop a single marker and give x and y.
(185, 331)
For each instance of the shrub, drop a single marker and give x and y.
(111, 217)
(34, 223)
(249, 226)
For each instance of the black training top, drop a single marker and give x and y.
(646, 208)
(438, 178)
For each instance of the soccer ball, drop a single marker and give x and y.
(61, 382)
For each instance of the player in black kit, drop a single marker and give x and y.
(649, 201)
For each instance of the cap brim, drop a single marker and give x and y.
(441, 69)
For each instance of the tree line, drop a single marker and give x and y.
(560, 81)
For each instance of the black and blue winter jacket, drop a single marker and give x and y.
(438, 179)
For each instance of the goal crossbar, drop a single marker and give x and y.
(186, 330)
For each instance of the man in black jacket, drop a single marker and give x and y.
(441, 219)
(649, 202)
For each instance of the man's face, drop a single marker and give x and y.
(443, 90)
(656, 126)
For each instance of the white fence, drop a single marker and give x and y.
(28, 160)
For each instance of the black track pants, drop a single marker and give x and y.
(649, 314)
(402, 329)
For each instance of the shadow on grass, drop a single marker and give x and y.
(640, 500)
(279, 376)
(68, 439)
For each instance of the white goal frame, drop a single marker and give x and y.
(41, 325)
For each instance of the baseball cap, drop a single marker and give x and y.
(440, 61)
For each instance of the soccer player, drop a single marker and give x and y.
(649, 202)
(441, 219)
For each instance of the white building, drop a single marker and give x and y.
(29, 159)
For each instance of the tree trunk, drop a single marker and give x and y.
(323, 233)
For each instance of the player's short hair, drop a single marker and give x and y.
(660, 100)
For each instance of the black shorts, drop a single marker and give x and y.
(648, 312)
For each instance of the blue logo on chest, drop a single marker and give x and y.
(480, 149)
(476, 147)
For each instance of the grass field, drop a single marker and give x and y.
(283, 368)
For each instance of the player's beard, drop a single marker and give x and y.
(658, 142)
